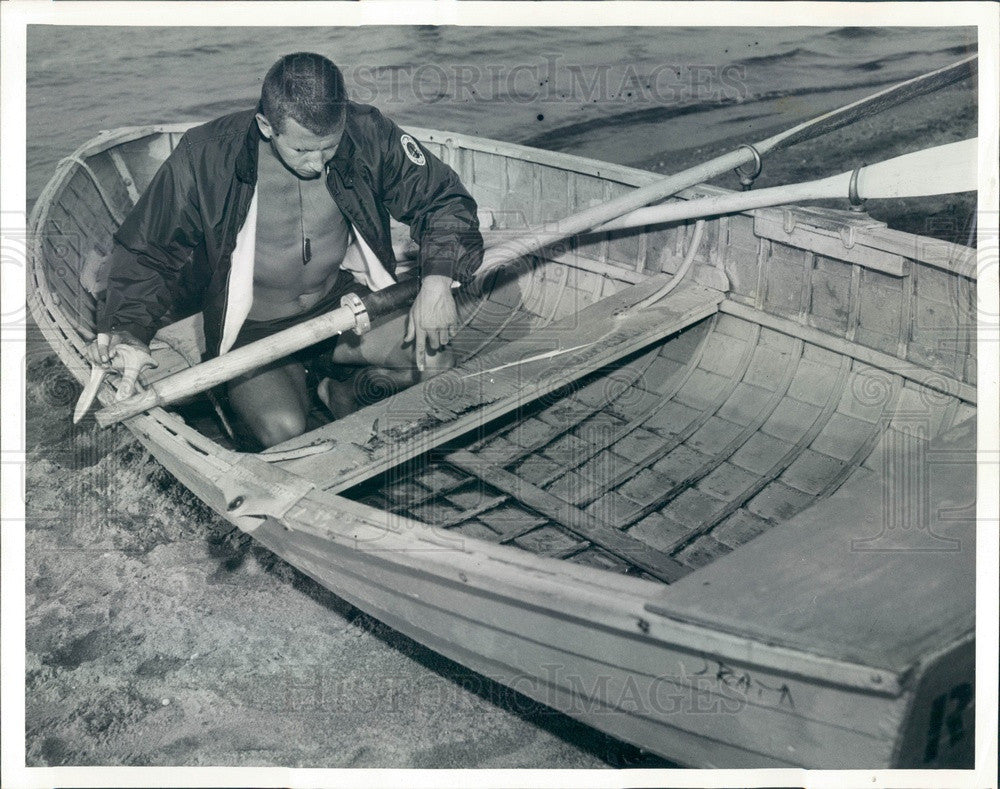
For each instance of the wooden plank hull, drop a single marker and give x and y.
(694, 693)
(664, 698)
(759, 419)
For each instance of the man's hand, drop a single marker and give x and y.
(433, 318)
(127, 354)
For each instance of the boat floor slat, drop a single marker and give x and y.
(566, 413)
(853, 463)
(512, 534)
(611, 481)
(743, 498)
(533, 450)
(574, 520)
(574, 460)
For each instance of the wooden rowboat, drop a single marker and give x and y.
(735, 527)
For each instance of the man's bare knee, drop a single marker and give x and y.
(376, 383)
(279, 426)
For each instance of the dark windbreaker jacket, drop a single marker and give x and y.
(173, 253)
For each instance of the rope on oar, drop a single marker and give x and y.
(652, 298)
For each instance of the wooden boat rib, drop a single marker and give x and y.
(728, 528)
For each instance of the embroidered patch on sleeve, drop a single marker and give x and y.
(412, 150)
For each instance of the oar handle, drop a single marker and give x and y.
(239, 361)
(381, 302)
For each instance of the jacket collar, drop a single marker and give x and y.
(343, 158)
(345, 151)
(246, 159)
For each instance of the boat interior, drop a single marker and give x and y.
(802, 350)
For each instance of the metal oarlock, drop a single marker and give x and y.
(857, 202)
(357, 306)
(746, 181)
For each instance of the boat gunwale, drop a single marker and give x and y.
(186, 440)
(955, 258)
(946, 255)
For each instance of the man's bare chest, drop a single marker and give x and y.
(301, 234)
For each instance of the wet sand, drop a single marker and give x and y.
(159, 635)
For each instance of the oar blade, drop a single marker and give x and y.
(943, 169)
(873, 104)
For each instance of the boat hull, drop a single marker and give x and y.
(652, 664)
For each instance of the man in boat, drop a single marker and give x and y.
(263, 219)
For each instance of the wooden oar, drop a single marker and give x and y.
(504, 253)
(208, 374)
(943, 169)
(235, 363)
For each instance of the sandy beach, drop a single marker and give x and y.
(157, 634)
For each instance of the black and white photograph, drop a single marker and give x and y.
(562, 393)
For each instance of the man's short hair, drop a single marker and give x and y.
(306, 87)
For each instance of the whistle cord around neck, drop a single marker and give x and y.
(306, 243)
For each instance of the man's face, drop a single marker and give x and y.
(300, 150)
